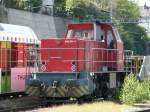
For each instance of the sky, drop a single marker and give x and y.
(142, 2)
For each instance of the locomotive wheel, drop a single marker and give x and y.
(110, 94)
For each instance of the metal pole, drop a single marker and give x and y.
(147, 19)
(2, 2)
(30, 8)
(111, 11)
(73, 12)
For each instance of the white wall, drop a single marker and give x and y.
(48, 2)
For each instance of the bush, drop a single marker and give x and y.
(134, 91)
(32, 5)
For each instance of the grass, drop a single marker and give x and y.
(104, 106)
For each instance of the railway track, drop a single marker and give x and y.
(20, 103)
(11, 95)
(19, 108)
(27, 103)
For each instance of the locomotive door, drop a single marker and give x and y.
(111, 52)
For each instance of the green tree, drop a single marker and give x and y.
(82, 8)
(133, 35)
(126, 9)
(35, 5)
(59, 8)
(32, 5)
(10, 3)
(134, 38)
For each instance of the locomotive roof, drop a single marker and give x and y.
(86, 25)
(17, 33)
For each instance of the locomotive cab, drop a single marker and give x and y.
(103, 38)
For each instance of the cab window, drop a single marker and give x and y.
(77, 34)
(99, 33)
(69, 34)
(102, 38)
(81, 34)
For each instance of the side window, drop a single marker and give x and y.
(81, 34)
(69, 34)
(110, 42)
(77, 34)
(102, 39)
(74, 34)
(88, 34)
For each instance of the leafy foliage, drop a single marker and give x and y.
(35, 5)
(134, 91)
(134, 38)
(10, 3)
(126, 9)
(85, 9)
(32, 5)
(133, 35)
(59, 8)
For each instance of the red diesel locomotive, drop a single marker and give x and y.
(88, 61)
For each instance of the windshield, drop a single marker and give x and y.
(81, 34)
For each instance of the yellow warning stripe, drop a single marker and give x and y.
(34, 90)
(84, 90)
(37, 93)
(30, 94)
(72, 93)
(29, 90)
(50, 91)
(77, 91)
(61, 92)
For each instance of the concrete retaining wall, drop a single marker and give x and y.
(43, 25)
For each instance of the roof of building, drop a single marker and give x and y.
(17, 33)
